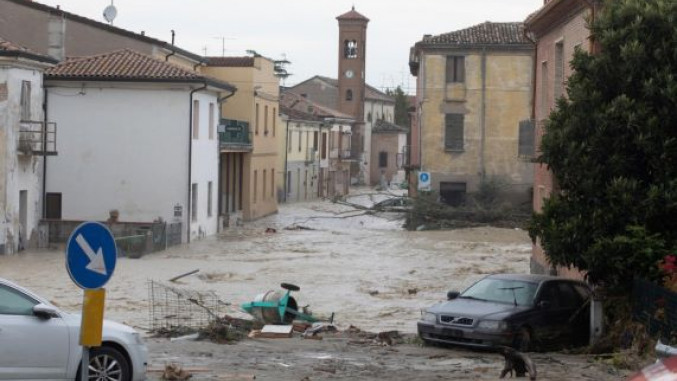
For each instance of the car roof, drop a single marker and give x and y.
(536, 278)
(26, 291)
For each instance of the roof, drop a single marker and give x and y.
(383, 127)
(487, 33)
(352, 15)
(127, 65)
(100, 25)
(9, 49)
(553, 13)
(299, 107)
(371, 92)
(230, 61)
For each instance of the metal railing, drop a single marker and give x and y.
(36, 138)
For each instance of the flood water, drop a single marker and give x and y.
(364, 268)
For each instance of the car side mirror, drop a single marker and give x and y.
(451, 295)
(544, 304)
(44, 311)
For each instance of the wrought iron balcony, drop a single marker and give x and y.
(37, 138)
(235, 135)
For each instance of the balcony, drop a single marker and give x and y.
(36, 138)
(234, 136)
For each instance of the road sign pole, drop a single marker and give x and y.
(85, 364)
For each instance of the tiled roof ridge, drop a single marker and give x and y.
(488, 32)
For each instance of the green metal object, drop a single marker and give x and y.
(273, 308)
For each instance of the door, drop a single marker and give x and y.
(558, 304)
(31, 347)
(23, 218)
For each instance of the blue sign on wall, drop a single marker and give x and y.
(91, 255)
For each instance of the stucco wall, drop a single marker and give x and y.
(491, 120)
(18, 171)
(125, 147)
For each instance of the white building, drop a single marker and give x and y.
(22, 145)
(139, 136)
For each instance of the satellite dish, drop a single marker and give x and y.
(109, 13)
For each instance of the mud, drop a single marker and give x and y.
(362, 267)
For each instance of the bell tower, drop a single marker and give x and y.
(351, 72)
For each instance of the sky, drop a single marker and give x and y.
(305, 32)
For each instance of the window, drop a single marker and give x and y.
(350, 48)
(256, 178)
(25, 100)
(256, 124)
(53, 206)
(209, 199)
(274, 119)
(13, 302)
(272, 183)
(544, 90)
(211, 121)
(383, 159)
(315, 137)
(323, 153)
(300, 139)
(369, 116)
(193, 202)
(453, 134)
(265, 180)
(349, 95)
(559, 69)
(265, 120)
(455, 69)
(452, 193)
(289, 141)
(526, 139)
(288, 182)
(196, 119)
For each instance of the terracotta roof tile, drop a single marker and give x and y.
(126, 64)
(298, 107)
(8, 48)
(487, 33)
(230, 61)
(370, 93)
(352, 15)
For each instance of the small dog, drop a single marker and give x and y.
(518, 362)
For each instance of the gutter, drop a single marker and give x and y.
(44, 158)
(593, 16)
(483, 115)
(189, 214)
(286, 150)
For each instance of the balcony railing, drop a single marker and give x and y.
(235, 135)
(37, 138)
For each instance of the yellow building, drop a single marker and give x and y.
(473, 108)
(249, 134)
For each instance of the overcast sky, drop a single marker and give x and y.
(305, 31)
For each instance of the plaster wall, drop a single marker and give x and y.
(18, 171)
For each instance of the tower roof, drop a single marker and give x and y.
(352, 15)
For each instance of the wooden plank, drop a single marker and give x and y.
(276, 331)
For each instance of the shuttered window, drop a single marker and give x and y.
(453, 133)
(455, 69)
(526, 139)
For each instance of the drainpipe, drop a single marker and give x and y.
(173, 52)
(483, 113)
(219, 189)
(286, 150)
(534, 73)
(593, 14)
(190, 157)
(44, 157)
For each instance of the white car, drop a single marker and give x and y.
(39, 341)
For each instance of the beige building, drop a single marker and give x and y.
(249, 135)
(473, 90)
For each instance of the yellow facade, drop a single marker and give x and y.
(494, 98)
(256, 102)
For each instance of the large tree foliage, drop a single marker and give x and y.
(401, 106)
(612, 149)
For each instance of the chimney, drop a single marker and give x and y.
(56, 34)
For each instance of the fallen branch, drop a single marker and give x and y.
(184, 275)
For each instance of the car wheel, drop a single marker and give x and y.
(523, 340)
(107, 364)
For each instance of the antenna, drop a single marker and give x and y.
(110, 13)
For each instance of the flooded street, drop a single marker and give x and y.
(364, 268)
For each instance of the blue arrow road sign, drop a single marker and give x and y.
(424, 177)
(91, 255)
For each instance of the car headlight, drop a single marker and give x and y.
(429, 317)
(492, 325)
(137, 338)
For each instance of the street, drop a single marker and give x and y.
(363, 268)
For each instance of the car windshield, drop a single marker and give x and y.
(515, 292)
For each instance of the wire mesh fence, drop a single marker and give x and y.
(173, 309)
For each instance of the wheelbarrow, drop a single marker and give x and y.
(273, 308)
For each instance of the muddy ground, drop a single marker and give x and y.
(363, 268)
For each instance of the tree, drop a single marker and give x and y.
(401, 106)
(612, 149)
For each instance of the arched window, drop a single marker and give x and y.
(350, 48)
(349, 95)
